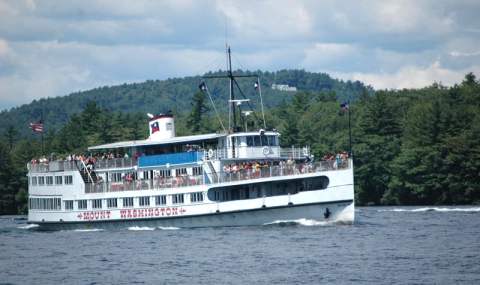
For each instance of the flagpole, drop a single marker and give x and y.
(43, 129)
(350, 130)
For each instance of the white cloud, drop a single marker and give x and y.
(413, 76)
(464, 54)
(3, 47)
(51, 48)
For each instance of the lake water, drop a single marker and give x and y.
(418, 245)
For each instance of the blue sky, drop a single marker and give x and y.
(53, 48)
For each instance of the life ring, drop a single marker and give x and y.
(266, 150)
(210, 153)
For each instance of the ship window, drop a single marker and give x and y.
(160, 200)
(116, 177)
(68, 179)
(34, 180)
(165, 173)
(169, 126)
(272, 140)
(144, 201)
(127, 202)
(249, 141)
(58, 180)
(256, 141)
(264, 140)
(49, 180)
(196, 197)
(180, 171)
(177, 199)
(112, 202)
(82, 204)
(68, 204)
(197, 170)
(41, 180)
(267, 189)
(97, 204)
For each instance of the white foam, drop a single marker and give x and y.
(303, 222)
(168, 228)
(141, 228)
(88, 230)
(433, 209)
(29, 226)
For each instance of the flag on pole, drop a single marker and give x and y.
(256, 85)
(37, 127)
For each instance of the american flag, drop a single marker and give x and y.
(155, 127)
(37, 127)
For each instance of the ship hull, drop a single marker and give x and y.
(327, 212)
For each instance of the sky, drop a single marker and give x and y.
(53, 48)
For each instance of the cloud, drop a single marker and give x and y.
(413, 76)
(51, 48)
(464, 54)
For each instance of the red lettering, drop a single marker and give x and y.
(123, 214)
(102, 215)
(129, 213)
(134, 213)
(168, 211)
(174, 211)
(97, 214)
(108, 214)
(163, 211)
(157, 212)
(150, 212)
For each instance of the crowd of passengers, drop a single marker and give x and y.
(334, 161)
(86, 158)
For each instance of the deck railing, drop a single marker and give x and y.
(52, 166)
(160, 183)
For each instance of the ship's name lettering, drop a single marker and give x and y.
(94, 215)
(151, 212)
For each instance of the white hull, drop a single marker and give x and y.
(339, 212)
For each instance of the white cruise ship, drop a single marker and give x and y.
(232, 178)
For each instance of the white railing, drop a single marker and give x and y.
(52, 166)
(287, 169)
(144, 184)
(115, 163)
(257, 152)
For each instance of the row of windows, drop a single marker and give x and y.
(48, 180)
(151, 174)
(45, 203)
(112, 203)
(267, 189)
(127, 202)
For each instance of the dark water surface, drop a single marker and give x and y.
(384, 246)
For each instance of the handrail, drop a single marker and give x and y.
(87, 171)
(161, 183)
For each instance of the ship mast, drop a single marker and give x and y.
(232, 111)
(233, 103)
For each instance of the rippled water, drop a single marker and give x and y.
(385, 245)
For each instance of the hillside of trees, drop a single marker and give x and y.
(410, 147)
(175, 94)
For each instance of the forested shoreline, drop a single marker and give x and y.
(410, 147)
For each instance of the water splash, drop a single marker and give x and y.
(88, 230)
(432, 209)
(29, 226)
(168, 228)
(136, 228)
(302, 222)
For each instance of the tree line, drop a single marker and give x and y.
(410, 147)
